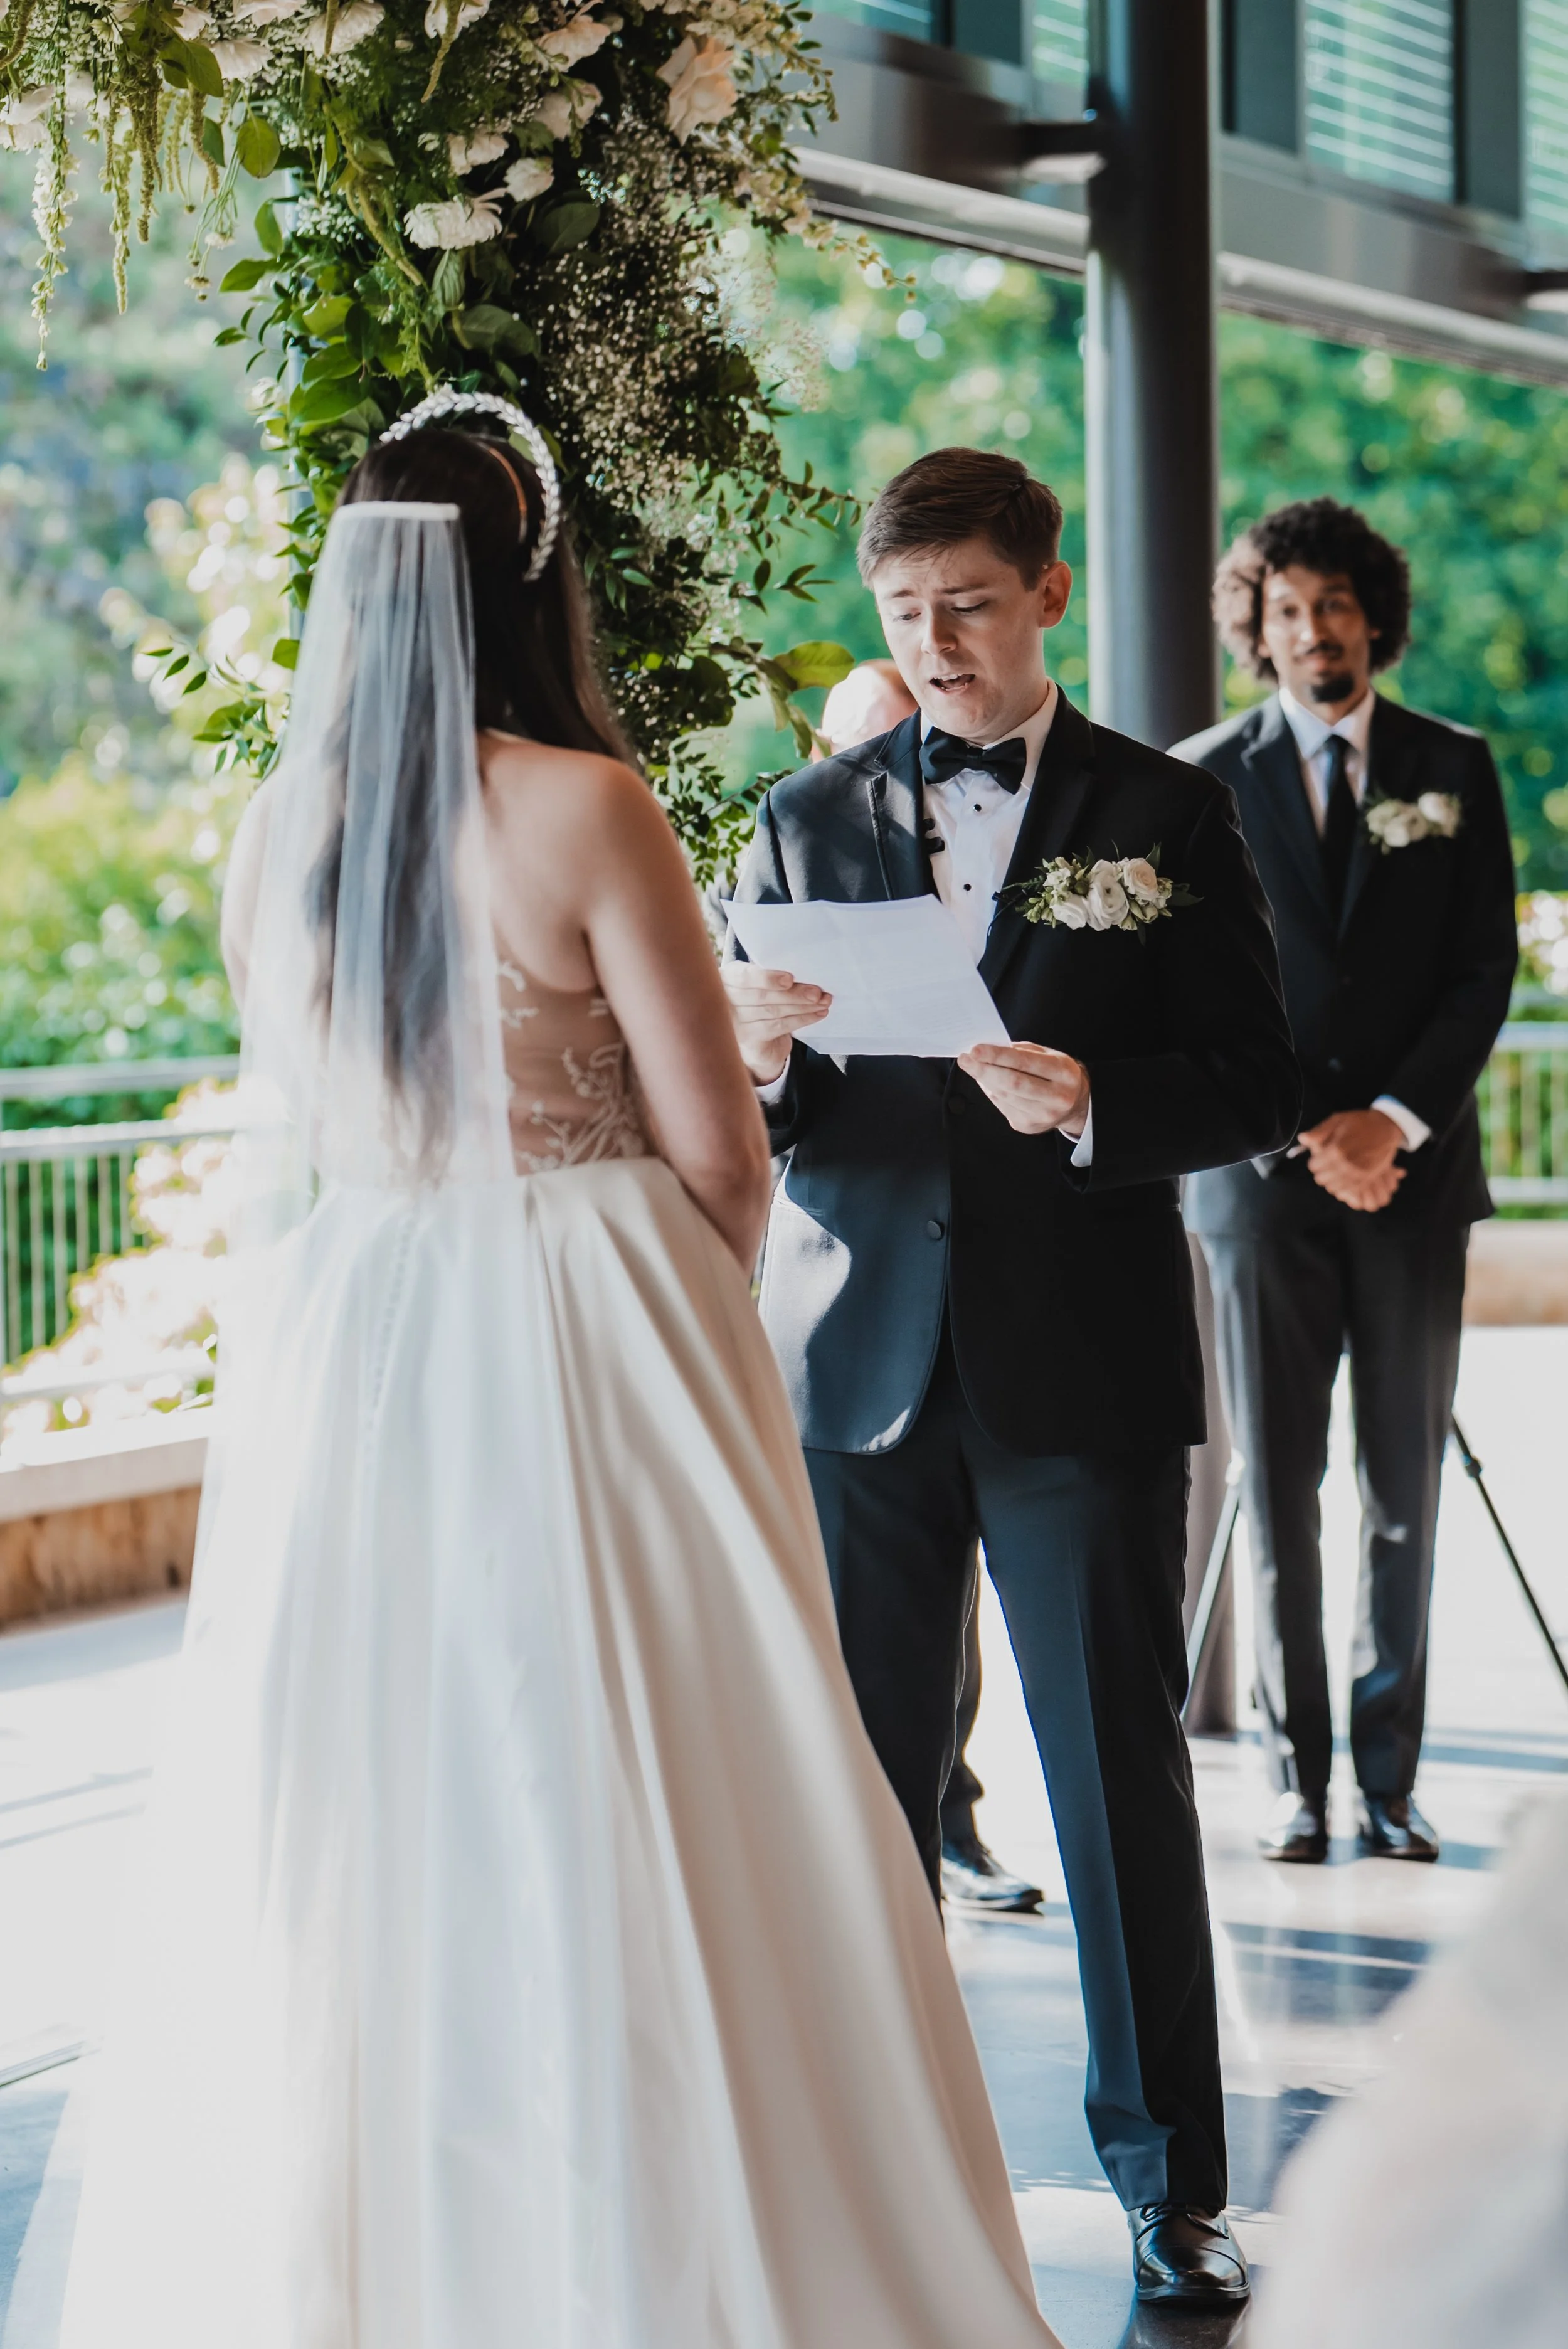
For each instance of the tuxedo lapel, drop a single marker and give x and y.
(1279, 800)
(1391, 764)
(1056, 797)
(893, 790)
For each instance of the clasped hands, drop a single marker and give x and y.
(1352, 1155)
(1036, 1089)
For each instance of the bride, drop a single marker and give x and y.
(531, 1953)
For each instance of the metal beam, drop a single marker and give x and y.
(1150, 374)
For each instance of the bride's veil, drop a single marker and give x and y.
(370, 1051)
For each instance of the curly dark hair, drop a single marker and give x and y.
(1324, 536)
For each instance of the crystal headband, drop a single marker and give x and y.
(448, 402)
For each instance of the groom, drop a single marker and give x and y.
(977, 1283)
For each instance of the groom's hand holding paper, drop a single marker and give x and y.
(1036, 1090)
(895, 974)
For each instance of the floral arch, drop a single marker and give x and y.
(532, 197)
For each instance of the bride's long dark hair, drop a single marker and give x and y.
(536, 673)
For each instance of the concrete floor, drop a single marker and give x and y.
(1312, 1962)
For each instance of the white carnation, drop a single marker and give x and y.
(269, 12)
(1072, 913)
(528, 177)
(16, 138)
(701, 84)
(355, 24)
(471, 153)
(438, 13)
(240, 60)
(566, 109)
(461, 221)
(569, 43)
(1139, 879)
(27, 105)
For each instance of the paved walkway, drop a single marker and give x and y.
(1312, 1961)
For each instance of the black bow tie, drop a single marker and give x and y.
(942, 756)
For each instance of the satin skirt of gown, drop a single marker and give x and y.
(531, 1953)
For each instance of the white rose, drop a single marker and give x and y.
(1072, 913)
(461, 221)
(1139, 876)
(437, 13)
(569, 43)
(1439, 810)
(566, 109)
(1106, 897)
(701, 84)
(1399, 832)
(239, 61)
(355, 24)
(269, 12)
(528, 177)
(480, 147)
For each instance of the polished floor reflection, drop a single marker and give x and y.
(1312, 1961)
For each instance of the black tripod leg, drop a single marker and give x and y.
(1473, 1470)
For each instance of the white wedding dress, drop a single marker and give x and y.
(530, 1955)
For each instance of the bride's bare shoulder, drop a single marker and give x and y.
(570, 797)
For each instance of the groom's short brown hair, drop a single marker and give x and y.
(959, 493)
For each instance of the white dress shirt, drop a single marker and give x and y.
(971, 829)
(1354, 729)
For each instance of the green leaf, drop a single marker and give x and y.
(447, 284)
(815, 663)
(258, 147)
(212, 142)
(325, 316)
(244, 275)
(486, 323)
(205, 72)
(269, 235)
(225, 721)
(332, 365)
(560, 226)
(315, 404)
(284, 653)
(229, 335)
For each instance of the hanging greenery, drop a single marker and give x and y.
(552, 200)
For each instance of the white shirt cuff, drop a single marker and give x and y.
(1415, 1129)
(1083, 1153)
(773, 1093)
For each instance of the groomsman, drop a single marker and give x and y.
(976, 1279)
(1380, 837)
(871, 701)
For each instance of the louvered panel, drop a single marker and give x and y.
(910, 17)
(1380, 91)
(1546, 119)
(1061, 40)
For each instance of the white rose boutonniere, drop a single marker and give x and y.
(1400, 823)
(1124, 893)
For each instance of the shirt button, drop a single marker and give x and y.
(935, 1230)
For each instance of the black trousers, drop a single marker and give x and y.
(963, 1789)
(1086, 1553)
(1288, 1302)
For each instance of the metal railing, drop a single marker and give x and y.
(64, 1190)
(1523, 1097)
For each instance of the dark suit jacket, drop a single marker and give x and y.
(1406, 993)
(1070, 1290)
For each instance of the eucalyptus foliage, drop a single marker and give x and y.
(539, 200)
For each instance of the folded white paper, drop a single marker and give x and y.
(897, 971)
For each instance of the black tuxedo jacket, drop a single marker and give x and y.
(1406, 994)
(1070, 1290)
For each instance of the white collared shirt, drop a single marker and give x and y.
(971, 829)
(1354, 729)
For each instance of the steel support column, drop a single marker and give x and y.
(1150, 372)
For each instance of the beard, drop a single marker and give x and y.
(1337, 687)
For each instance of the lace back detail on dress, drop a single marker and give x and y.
(571, 1098)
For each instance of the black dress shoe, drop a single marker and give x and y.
(1391, 1827)
(1297, 1830)
(972, 1877)
(1180, 2253)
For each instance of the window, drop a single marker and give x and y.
(1546, 119)
(910, 17)
(1380, 91)
(1061, 41)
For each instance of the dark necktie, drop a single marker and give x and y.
(942, 756)
(1340, 814)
